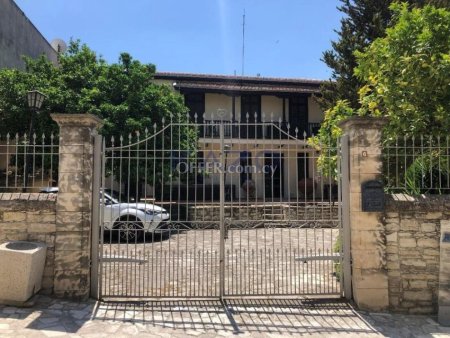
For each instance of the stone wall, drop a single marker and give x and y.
(74, 205)
(31, 217)
(62, 222)
(363, 230)
(412, 250)
(277, 212)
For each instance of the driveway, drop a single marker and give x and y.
(257, 318)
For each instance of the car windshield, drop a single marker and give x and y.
(109, 199)
(119, 197)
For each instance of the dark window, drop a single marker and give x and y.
(246, 164)
(250, 104)
(196, 104)
(302, 166)
(273, 175)
(298, 114)
(200, 167)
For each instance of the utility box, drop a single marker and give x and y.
(22, 266)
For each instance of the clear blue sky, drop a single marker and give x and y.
(284, 38)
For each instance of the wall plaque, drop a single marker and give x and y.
(372, 194)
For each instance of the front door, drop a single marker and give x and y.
(273, 175)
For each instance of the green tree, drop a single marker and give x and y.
(123, 94)
(363, 22)
(405, 77)
(327, 139)
(407, 73)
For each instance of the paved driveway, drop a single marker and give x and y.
(257, 262)
(56, 318)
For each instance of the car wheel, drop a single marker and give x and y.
(129, 230)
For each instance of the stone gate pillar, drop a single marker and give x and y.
(73, 206)
(368, 242)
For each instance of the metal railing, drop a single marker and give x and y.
(417, 165)
(28, 165)
(262, 130)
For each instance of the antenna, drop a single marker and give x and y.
(243, 42)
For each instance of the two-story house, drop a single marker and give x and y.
(273, 156)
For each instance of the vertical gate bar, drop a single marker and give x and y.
(95, 226)
(222, 214)
(345, 200)
(102, 218)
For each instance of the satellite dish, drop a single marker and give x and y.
(59, 45)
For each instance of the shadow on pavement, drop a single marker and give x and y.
(238, 316)
(251, 317)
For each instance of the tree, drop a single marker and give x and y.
(364, 21)
(405, 76)
(123, 94)
(327, 139)
(407, 73)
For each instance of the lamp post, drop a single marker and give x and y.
(35, 99)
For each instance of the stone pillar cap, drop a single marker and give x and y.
(77, 120)
(365, 122)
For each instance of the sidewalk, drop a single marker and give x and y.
(254, 318)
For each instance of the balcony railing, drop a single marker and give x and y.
(282, 130)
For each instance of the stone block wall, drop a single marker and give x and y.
(257, 212)
(412, 250)
(364, 231)
(31, 217)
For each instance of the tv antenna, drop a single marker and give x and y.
(243, 42)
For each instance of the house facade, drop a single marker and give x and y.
(19, 37)
(266, 124)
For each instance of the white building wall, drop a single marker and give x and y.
(315, 114)
(272, 107)
(269, 105)
(214, 102)
(238, 107)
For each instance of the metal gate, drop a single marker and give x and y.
(216, 209)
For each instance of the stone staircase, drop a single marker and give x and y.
(273, 213)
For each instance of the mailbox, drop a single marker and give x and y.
(446, 237)
(372, 194)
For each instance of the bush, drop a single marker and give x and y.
(428, 174)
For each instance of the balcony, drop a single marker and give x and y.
(211, 129)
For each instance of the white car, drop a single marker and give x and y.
(132, 220)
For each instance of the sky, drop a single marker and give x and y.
(283, 38)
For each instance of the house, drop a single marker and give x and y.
(19, 37)
(266, 125)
